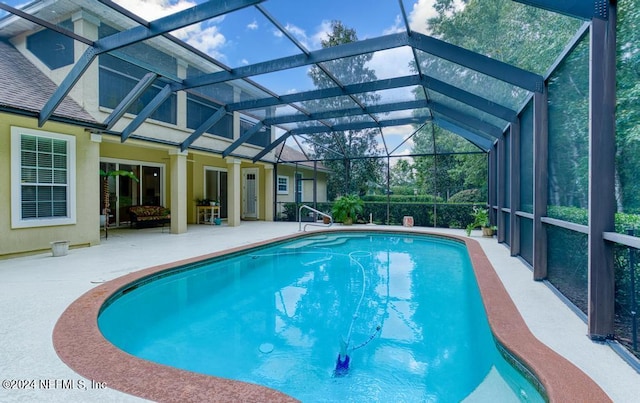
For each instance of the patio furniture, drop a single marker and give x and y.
(147, 216)
(208, 214)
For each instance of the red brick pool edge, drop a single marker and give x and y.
(80, 344)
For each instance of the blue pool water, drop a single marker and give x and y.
(406, 309)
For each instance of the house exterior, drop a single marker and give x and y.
(50, 182)
(298, 181)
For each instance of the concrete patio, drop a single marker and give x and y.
(35, 290)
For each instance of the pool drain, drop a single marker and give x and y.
(266, 348)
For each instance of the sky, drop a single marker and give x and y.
(247, 37)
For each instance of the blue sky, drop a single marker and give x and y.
(247, 37)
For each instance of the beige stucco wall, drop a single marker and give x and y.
(86, 229)
(290, 171)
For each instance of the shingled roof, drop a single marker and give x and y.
(289, 155)
(25, 89)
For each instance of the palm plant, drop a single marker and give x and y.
(105, 191)
(346, 208)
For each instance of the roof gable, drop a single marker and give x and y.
(25, 88)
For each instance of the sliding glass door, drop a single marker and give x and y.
(215, 188)
(125, 192)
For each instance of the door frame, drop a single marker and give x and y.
(244, 173)
(210, 168)
(163, 183)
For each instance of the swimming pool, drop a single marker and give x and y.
(405, 308)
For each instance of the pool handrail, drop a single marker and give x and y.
(315, 211)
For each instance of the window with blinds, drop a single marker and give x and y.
(42, 168)
(43, 177)
(283, 184)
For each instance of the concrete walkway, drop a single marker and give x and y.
(35, 290)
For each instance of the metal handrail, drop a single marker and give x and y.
(315, 211)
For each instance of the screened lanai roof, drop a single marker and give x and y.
(416, 79)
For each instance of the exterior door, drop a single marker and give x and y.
(125, 192)
(250, 193)
(215, 188)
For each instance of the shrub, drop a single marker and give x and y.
(468, 196)
(346, 208)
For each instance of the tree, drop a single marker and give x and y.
(337, 149)
(402, 174)
(627, 111)
(524, 36)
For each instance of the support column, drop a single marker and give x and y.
(178, 167)
(602, 204)
(269, 185)
(234, 202)
(540, 182)
(181, 96)
(492, 175)
(93, 188)
(514, 187)
(501, 199)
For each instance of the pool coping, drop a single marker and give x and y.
(80, 344)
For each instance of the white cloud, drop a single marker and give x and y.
(391, 62)
(205, 36)
(322, 33)
(208, 40)
(253, 26)
(299, 33)
(398, 26)
(153, 9)
(422, 11)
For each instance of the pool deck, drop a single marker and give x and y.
(36, 290)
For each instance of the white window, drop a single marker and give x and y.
(283, 185)
(42, 178)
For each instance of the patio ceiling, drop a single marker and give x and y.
(433, 91)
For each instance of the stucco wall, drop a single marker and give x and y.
(321, 184)
(86, 229)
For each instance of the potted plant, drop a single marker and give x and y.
(326, 219)
(202, 202)
(480, 219)
(105, 191)
(346, 208)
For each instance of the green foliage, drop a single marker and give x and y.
(480, 217)
(446, 215)
(447, 174)
(120, 172)
(467, 196)
(337, 148)
(402, 198)
(346, 208)
(575, 215)
(289, 211)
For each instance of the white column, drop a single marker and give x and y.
(178, 168)
(233, 191)
(268, 192)
(181, 97)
